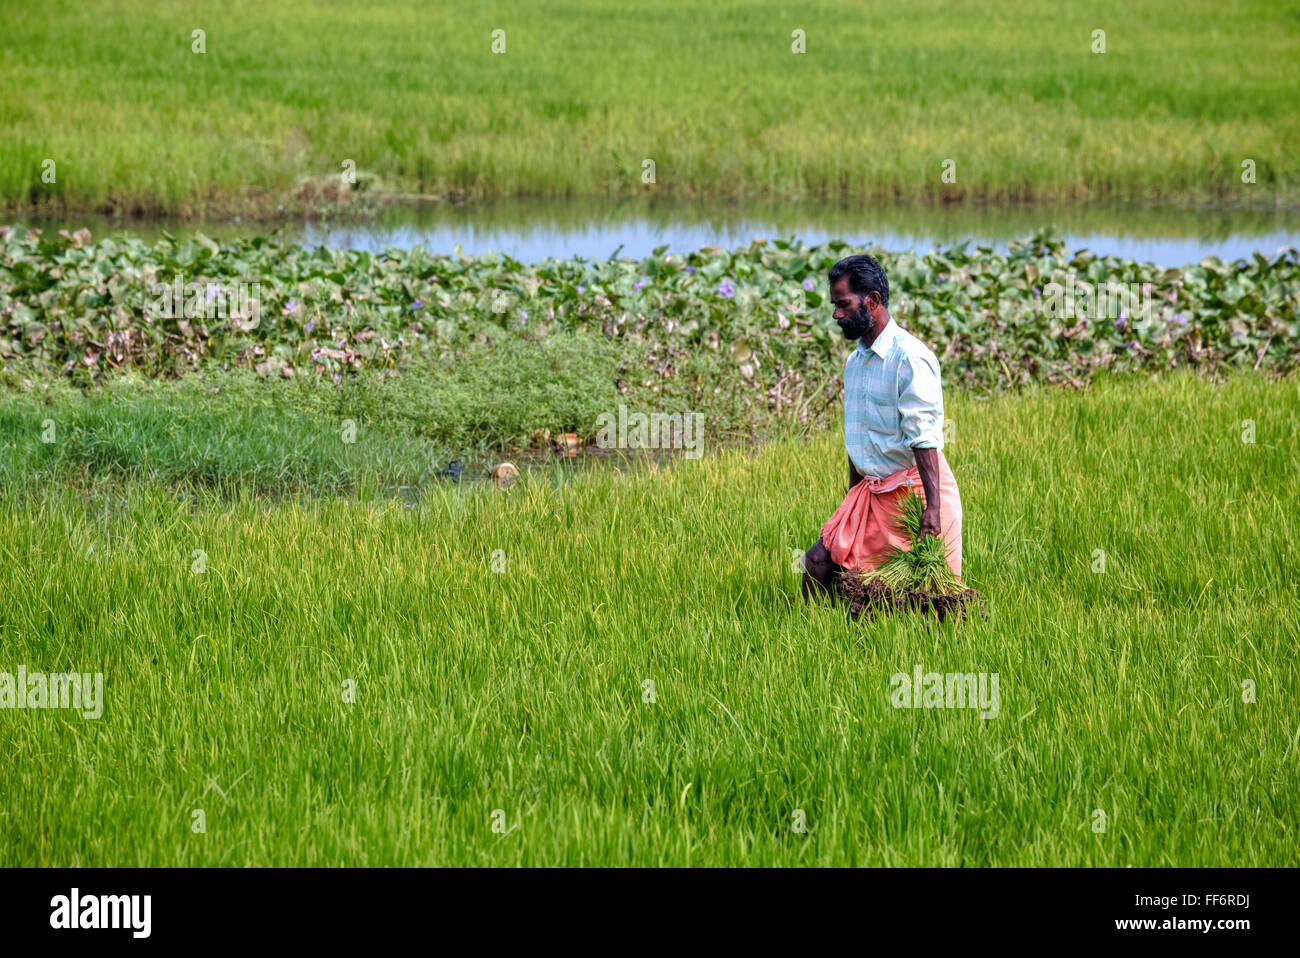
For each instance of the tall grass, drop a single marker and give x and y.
(1013, 94)
(524, 691)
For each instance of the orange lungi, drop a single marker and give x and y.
(862, 528)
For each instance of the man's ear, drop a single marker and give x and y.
(872, 301)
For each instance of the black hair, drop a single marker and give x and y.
(865, 276)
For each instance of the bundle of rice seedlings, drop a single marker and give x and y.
(918, 577)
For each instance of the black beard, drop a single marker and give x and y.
(861, 325)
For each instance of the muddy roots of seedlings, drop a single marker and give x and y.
(870, 597)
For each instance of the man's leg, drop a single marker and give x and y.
(819, 572)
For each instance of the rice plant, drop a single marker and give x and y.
(577, 102)
(923, 565)
(351, 681)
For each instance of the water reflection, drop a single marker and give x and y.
(534, 230)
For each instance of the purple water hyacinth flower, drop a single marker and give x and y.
(582, 289)
(1037, 291)
(640, 284)
(726, 289)
(309, 326)
(1133, 346)
(523, 315)
(417, 304)
(691, 270)
(809, 285)
(290, 307)
(1180, 319)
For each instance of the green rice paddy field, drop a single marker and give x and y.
(496, 648)
(133, 119)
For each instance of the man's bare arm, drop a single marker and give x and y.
(927, 463)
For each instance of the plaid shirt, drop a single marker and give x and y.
(893, 402)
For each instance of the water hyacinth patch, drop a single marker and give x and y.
(81, 307)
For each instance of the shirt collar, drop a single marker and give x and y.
(882, 342)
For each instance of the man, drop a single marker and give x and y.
(893, 433)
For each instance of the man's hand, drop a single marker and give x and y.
(930, 521)
(927, 464)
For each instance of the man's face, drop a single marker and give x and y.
(854, 312)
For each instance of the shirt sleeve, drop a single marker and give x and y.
(920, 402)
